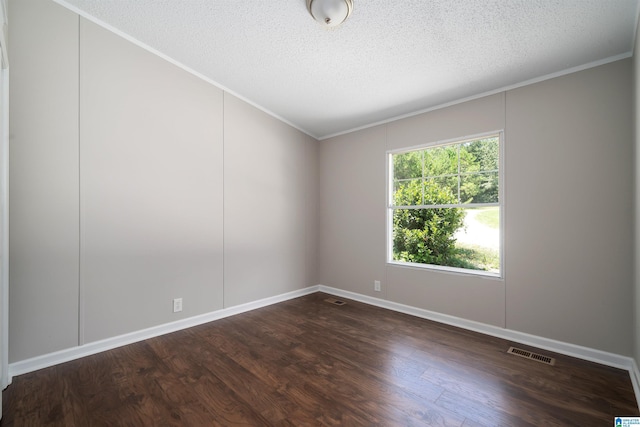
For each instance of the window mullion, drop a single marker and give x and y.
(457, 205)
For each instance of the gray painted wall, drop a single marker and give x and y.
(469, 297)
(133, 183)
(570, 208)
(269, 177)
(44, 179)
(351, 251)
(568, 211)
(636, 121)
(151, 178)
(138, 184)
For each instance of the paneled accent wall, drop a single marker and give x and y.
(44, 179)
(569, 209)
(269, 177)
(151, 171)
(568, 254)
(134, 182)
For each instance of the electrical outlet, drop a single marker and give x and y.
(177, 305)
(376, 285)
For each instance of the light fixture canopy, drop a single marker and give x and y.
(330, 13)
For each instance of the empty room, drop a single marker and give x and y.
(319, 213)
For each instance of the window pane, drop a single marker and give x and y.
(477, 244)
(407, 193)
(407, 165)
(451, 237)
(441, 161)
(447, 177)
(425, 236)
(441, 191)
(480, 155)
(479, 188)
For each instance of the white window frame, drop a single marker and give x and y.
(390, 207)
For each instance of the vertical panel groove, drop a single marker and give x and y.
(80, 290)
(224, 304)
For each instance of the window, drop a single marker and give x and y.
(445, 206)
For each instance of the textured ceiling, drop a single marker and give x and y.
(390, 58)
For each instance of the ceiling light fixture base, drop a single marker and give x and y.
(330, 13)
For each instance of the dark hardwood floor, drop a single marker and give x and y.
(306, 362)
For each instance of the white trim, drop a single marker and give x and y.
(585, 353)
(138, 43)
(449, 141)
(5, 379)
(51, 359)
(444, 268)
(502, 177)
(635, 31)
(452, 205)
(484, 94)
(500, 204)
(3, 33)
(178, 64)
(573, 350)
(389, 213)
(634, 373)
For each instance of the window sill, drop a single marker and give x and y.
(444, 269)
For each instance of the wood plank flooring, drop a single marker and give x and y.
(306, 362)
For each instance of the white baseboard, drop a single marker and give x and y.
(51, 359)
(573, 350)
(585, 353)
(634, 373)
